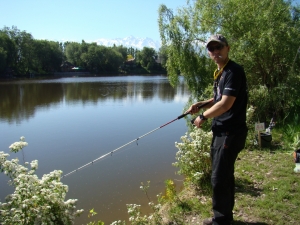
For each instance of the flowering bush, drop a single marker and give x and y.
(193, 157)
(135, 215)
(34, 201)
(136, 218)
(19, 145)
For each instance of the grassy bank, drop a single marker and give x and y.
(267, 192)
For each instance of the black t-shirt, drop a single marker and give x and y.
(232, 82)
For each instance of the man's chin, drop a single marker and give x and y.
(218, 60)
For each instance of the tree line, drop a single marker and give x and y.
(21, 54)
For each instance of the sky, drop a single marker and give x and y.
(89, 20)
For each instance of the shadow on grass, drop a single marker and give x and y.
(247, 187)
(248, 223)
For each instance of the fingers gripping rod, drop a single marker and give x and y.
(135, 140)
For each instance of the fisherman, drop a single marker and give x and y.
(228, 110)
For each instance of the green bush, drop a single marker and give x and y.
(268, 103)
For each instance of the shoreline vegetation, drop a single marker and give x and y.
(76, 74)
(23, 56)
(59, 75)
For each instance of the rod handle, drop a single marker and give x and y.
(183, 115)
(199, 107)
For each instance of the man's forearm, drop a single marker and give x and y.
(208, 105)
(220, 107)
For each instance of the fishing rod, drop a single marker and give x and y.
(135, 140)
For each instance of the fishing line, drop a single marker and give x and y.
(135, 140)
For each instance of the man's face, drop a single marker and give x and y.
(217, 51)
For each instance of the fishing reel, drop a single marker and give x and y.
(201, 117)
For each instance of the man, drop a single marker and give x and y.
(228, 110)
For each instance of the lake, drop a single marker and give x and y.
(69, 122)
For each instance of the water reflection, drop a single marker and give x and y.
(20, 100)
(71, 121)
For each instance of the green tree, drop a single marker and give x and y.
(93, 58)
(263, 35)
(26, 43)
(2, 60)
(23, 51)
(73, 53)
(163, 55)
(7, 52)
(23, 54)
(131, 51)
(123, 50)
(146, 57)
(112, 60)
(48, 56)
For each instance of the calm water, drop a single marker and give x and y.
(69, 122)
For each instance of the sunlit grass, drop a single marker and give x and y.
(272, 191)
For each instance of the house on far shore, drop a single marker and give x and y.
(69, 67)
(130, 64)
(66, 67)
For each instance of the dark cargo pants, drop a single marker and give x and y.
(224, 151)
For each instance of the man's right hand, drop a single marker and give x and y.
(194, 108)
